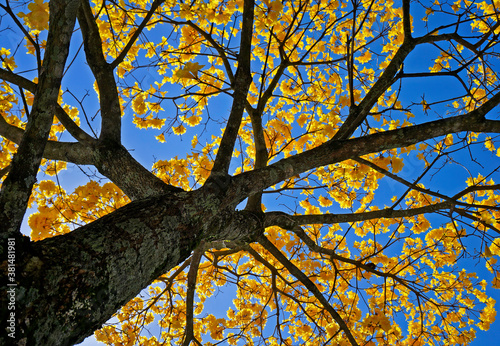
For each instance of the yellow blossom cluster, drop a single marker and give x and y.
(59, 212)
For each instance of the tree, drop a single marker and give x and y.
(300, 115)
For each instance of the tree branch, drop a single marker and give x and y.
(335, 151)
(17, 186)
(407, 20)
(242, 81)
(135, 36)
(309, 285)
(113, 161)
(261, 157)
(61, 114)
(191, 288)
(278, 218)
(103, 73)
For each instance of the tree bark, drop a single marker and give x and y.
(69, 285)
(16, 189)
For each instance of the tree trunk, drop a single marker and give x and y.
(69, 285)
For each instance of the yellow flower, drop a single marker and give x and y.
(397, 164)
(324, 202)
(161, 138)
(38, 17)
(179, 130)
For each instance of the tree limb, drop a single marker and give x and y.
(103, 73)
(191, 288)
(242, 80)
(60, 113)
(278, 218)
(135, 36)
(17, 186)
(309, 285)
(335, 151)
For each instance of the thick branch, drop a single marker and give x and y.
(62, 151)
(16, 188)
(261, 156)
(335, 151)
(103, 73)
(278, 218)
(113, 161)
(242, 80)
(407, 20)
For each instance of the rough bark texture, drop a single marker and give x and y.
(16, 188)
(70, 285)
